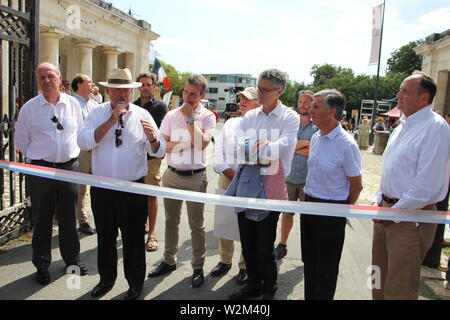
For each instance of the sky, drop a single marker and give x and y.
(248, 36)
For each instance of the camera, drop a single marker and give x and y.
(233, 91)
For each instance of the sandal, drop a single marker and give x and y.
(151, 244)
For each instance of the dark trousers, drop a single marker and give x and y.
(113, 210)
(322, 241)
(46, 196)
(433, 257)
(257, 241)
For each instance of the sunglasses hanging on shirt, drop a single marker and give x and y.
(118, 131)
(58, 124)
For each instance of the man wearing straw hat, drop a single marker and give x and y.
(120, 134)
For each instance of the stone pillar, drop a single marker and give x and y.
(86, 57)
(111, 59)
(49, 47)
(129, 63)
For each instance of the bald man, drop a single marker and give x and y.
(46, 134)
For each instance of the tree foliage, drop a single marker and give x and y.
(324, 72)
(405, 59)
(289, 97)
(360, 87)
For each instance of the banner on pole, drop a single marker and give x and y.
(376, 35)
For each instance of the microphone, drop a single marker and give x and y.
(121, 122)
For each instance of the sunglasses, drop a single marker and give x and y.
(265, 90)
(58, 124)
(118, 133)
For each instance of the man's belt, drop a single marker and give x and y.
(186, 172)
(52, 164)
(389, 200)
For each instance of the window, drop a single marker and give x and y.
(213, 90)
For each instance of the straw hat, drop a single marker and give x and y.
(120, 78)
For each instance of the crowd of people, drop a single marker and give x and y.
(266, 151)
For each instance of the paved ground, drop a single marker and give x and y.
(17, 272)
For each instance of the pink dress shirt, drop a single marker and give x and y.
(174, 125)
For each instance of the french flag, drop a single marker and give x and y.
(162, 76)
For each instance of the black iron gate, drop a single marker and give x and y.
(19, 48)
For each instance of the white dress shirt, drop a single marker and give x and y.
(225, 147)
(129, 160)
(332, 158)
(416, 161)
(280, 126)
(37, 136)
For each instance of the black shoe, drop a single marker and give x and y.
(269, 295)
(133, 293)
(221, 269)
(86, 229)
(76, 268)
(197, 278)
(280, 251)
(42, 276)
(163, 268)
(242, 277)
(102, 288)
(245, 293)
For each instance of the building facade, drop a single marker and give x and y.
(436, 62)
(218, 83)
(92, 37)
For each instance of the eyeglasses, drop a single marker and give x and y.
(58, 124)
(264, 90)
(118, 133)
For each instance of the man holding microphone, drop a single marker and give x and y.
(120, 134)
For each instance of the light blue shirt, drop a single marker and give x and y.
(332, 158)
(299, 166)
(86, 105)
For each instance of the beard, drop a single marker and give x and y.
(146, 93)
(304, 113)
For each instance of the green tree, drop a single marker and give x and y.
(289, 96)
(405, 59)
(323, 72)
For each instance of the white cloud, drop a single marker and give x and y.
(437, 20)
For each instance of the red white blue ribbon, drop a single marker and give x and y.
(314, 208)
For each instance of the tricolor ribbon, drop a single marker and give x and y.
(314, 208)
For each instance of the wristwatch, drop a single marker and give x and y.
(190, 121)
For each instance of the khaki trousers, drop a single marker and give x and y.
(84, 160)
(154, 173)
(226, 246)
(398, 249)
(197, 182)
